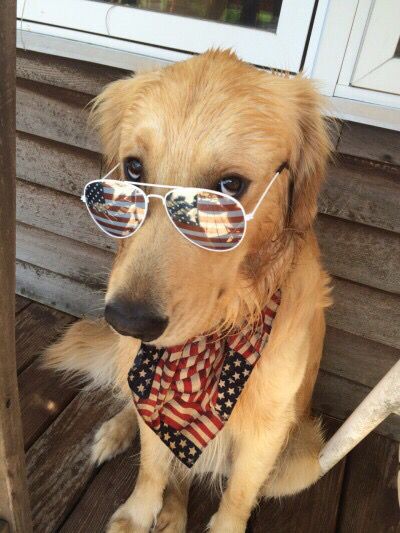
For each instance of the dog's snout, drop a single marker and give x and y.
(135, 319)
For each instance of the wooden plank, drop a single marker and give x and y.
(20, 303)
(4, 528)
(360, 253)
(58, 213)
(370, 142)
(58, 462)
(109, 489)
(53, 113)
(14, 499)
(36, 327)
(43, 396)
(314, 510)
(58, 291)
(365, 312)
(61, 255)
(203, 503)
(334, 128)
(362, 191)
(56, 165)
(356, 358)
(370, 498)
(339, 397)
(81, 76)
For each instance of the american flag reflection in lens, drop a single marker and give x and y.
(117, 207)
(210, 220)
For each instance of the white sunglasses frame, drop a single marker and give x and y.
(136, 185)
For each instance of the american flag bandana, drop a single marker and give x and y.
(186, 393)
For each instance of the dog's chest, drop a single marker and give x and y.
(215, 460)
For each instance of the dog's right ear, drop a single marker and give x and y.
(310, 149)
(112, 104)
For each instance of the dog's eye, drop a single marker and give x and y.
(133, 169)
(232, 185)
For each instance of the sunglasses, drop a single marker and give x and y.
(209, 219)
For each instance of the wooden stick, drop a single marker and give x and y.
(383, 400)
(14, 501)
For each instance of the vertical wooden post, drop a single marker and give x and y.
(14, 501)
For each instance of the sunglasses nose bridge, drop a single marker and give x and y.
(156, 196)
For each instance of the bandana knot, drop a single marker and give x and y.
(186, 393)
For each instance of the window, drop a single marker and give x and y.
(351, 46)
(269, 33)
(261, 15)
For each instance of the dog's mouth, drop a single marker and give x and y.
(147, 339)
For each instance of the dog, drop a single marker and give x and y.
(192, 124)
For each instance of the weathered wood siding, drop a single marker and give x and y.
(63, 262)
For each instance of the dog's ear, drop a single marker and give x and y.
(111, 105)
(309, 153)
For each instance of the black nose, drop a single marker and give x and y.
(135, 319)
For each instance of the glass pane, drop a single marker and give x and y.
(261, 14)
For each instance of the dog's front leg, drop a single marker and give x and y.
(139, 512)
(173, 515)
(254, 455)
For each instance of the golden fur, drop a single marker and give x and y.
(192, 123)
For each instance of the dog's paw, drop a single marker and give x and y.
(172, 519)
(114, 436)
(120, 525)
(123, 524)
(220, 523)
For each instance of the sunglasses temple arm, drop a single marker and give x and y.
(250, 216)
(111, 171)
(103, 178)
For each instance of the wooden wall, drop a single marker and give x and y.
(62, 261)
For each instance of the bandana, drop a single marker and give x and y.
(186, 393)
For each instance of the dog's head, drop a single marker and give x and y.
(195, 123)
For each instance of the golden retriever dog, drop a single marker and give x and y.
(195, 123)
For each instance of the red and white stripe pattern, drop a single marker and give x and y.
(186, 393)
(117, 207)
(208, 219)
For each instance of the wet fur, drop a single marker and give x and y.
(191, 123)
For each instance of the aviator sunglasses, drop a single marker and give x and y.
(209, 219)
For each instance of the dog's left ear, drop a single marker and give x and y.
(111, 106)
(309, 152)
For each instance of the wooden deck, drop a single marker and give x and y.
(71, 496)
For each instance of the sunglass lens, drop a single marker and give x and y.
(117, 207)
(210, 220)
